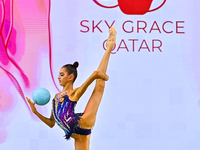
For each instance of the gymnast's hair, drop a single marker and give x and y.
(71, 69)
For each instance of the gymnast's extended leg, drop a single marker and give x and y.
(89, 116)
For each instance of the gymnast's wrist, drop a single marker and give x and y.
(35, 112)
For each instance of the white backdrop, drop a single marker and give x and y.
(151, 101)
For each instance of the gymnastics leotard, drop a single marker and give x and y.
(63, 111)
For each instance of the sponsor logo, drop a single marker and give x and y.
(133, 7)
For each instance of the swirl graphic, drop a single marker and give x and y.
(50, 49)
(18, 63)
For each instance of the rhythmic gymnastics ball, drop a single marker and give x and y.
(41, 96)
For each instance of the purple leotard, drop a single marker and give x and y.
(63, 111)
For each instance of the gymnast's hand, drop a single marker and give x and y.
(32, 105)
(101, 75)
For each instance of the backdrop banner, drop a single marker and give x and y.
(152, 98)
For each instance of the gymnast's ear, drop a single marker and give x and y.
(71, 77)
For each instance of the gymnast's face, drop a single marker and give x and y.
(63, 77)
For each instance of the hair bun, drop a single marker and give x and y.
(75, 65)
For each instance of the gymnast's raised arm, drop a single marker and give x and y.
(78, 92)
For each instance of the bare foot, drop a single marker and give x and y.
(102, 75)
(111, 39)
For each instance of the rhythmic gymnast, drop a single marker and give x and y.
(76, 125)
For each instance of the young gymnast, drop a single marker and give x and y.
(78, 126)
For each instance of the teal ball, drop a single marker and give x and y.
(41, 96)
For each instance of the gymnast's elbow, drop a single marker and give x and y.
(51, 125)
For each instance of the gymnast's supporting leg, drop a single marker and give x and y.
(89, 117)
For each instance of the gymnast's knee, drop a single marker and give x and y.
(100, 84)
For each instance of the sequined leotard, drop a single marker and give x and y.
(63, 111)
